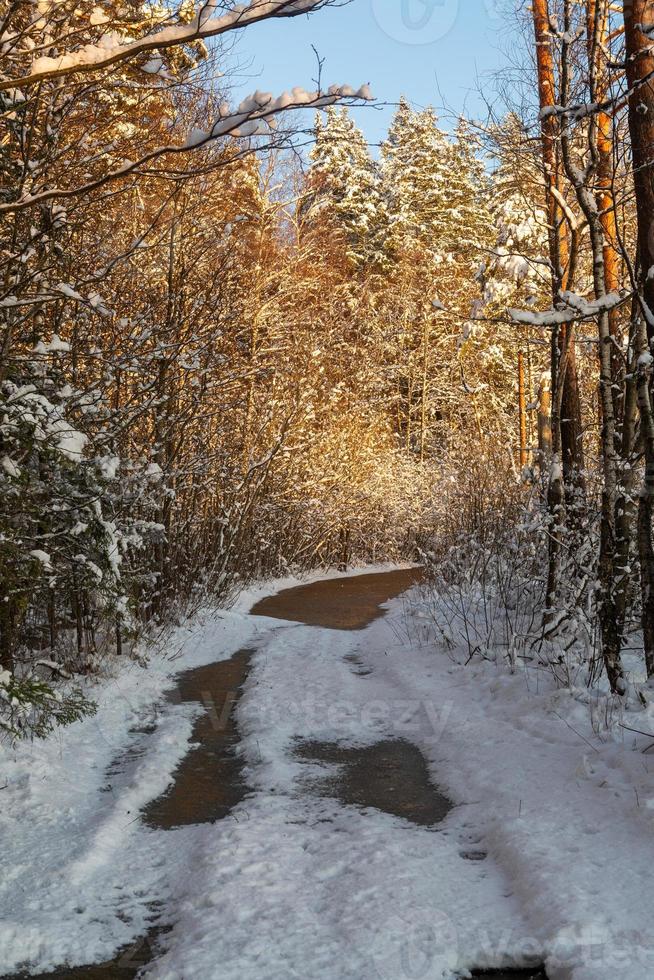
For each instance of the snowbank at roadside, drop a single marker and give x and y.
(562, 797)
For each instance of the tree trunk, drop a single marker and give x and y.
(544, 422)
(522, 410)
(7, 629)
(424, 388)
(625, 506)
(588, 201)
(599, 83)
(599, 213)
(646, 501)
(646, 559)
(572, 438)
(640, 65)
(567, 429)
(344, 547)
(567, 463)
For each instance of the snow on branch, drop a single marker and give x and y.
(578, 309)
(255, 116)
(113, 48)
(575, 222)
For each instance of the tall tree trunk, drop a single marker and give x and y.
(639, 66)
(625, 506)
(567, 462)
(611, 640)
(597, 45)
(544, 422)
(424, 388)
(557, 242)
(567, 432)
(623, 383)
(646, 503)
(640, 78)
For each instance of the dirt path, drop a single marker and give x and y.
(339, 603)
(391, 776)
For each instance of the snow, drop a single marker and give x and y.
(29, 406)
(294, 885)
(42, 556)
(70, 441)
(328, 885)
(578, 308)
(10, 467)
(67, 290)
(109, 466)
(154, 471)
(112, 46)
(57, 345)
(98, 16)
(260, 107)
(593, 307)
(153, 66)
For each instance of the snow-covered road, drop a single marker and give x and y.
(296, 884)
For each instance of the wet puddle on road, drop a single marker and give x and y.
(535, 973)
(391, 776)
(208, 783)
(339, 603)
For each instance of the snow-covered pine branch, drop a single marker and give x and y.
(113, 48)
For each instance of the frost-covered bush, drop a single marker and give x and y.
(487, 577)
(32, 707)
(485, 568)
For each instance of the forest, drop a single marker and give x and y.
(326, 499)
(234, 347)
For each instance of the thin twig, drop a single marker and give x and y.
(579, 735)
(637, 731)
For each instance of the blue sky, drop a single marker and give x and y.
(432, 51)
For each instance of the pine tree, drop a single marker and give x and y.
(343, 188)
(514, 272)
(415, 177)
(434, 187)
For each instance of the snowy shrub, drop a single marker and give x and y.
(31, 707)
(487, 577)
